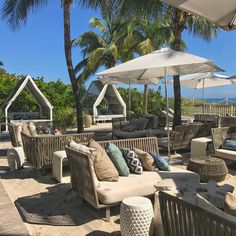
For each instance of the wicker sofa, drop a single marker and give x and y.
(219, 135)
(39, 149)
(183, 134)
(149, 131)
(111, 193)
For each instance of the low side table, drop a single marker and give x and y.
(199, 146)
(136, 215)
(208, 167)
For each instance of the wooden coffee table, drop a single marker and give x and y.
(208, 167)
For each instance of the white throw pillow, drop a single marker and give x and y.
(80, 147)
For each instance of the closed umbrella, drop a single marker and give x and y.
(160, 63)
(204, 80)
(220, 12)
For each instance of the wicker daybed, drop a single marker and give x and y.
(107, 194)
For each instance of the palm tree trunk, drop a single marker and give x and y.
(177, 27)
(73, 80)
(145, 100)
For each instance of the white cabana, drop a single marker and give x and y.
(45, 107)
(160, 63)
(220, 12)
(114, 105)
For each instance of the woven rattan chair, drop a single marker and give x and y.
(39, 149)
(181, 218)
(82, 174)
(12, 134)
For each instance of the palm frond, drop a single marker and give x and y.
(1, 63)
(15, 12)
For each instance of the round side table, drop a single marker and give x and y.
(208, 167)
(136, 214)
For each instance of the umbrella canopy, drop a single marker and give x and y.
(106, 80)
(220, 12)
(204, 80)
(160, 63)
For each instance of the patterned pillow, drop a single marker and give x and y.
(132, 161)
(161, 163)
(128, 128)
(117, 158)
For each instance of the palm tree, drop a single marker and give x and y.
(147, 35)
(178, 20)
(15, 12)
(1, 63)
(103, 48)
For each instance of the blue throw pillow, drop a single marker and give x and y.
(229, 145)
(161, 163)
(117, 158)
(132, 161)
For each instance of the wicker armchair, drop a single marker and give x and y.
(183, 134)
(219, 135)
(39, 149)
(181, 218)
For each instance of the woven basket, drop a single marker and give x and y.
(209, 168)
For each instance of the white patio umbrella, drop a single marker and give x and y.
(220, 12)
(204, 80)
(160, 63)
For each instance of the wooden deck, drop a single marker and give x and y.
(10, 220)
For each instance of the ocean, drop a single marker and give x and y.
(227, 101)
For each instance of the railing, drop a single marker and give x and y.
(222, 110)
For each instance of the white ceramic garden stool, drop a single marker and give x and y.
(57, 165)
(136, 215)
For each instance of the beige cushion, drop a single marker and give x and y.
(139, 185)
(203, 203)
(226, 154)
(146, 159)
(80, 147)
(103, 166)
(18, 129)
(230, 204)
(32, 129)
(25, 129)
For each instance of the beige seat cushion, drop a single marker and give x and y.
(103, 166)
(230, 204)
(140, 185)
(226, 154)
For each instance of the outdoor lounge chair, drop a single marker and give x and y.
(181, 218)
(181, 137)
(219, 135)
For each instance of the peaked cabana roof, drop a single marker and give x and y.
(44, 104)
(96, 93)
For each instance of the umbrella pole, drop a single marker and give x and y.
(129, 100)
(203, 97)
(167, 120)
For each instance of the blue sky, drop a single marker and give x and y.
(37, 48)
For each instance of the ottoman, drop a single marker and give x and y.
(136, 215)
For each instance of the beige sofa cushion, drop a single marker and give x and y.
(103, 166)
(140, 185)
(226, 154)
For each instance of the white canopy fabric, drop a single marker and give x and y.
(106, 80)
(204, 80)
(158, 64)
(220, 12)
